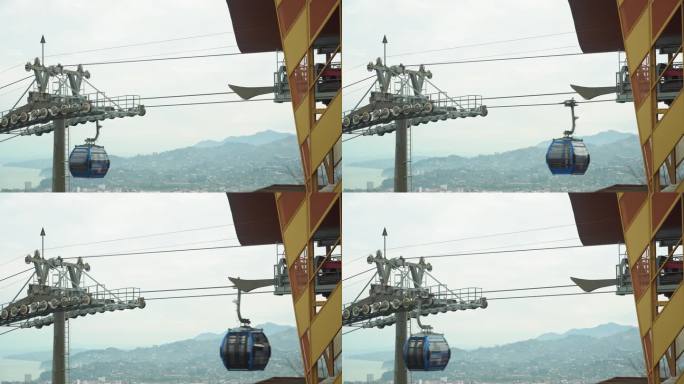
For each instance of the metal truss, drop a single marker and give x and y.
(401, 286)
(64, 291)
(405, 94)
(65, 98)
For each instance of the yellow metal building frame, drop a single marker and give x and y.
(661, 132)
(319, 132)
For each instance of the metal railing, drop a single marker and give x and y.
(99, 100)
(465, 102)
(667, 281)
(666, 89)
(281, 279)
(416, 110)
(118, 295)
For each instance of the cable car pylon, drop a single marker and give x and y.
(57, 292)
(400, 291)
(52, 106)
(399, 99)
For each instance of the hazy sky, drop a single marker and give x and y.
(78, 25)
(420, 218)
(413, 26)
(82, 218)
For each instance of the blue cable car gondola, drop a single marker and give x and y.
(89, 161)
(244, 348)
(568, 155)
(426, 352)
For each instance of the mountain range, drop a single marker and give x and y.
(247, 163)
(259, 138)
(600, 331)
(184, 361)
(241, 163)
(615, 159)
(576, 356)
(585, 355)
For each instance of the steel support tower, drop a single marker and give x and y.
(58, 99)
(57, 292)
(401, 158)
(399, 99)
(399, 292)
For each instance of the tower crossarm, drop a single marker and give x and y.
(67, 100)
(64, 291)
(401, 286)
(378, 309)
(130, 107)
(407, 94)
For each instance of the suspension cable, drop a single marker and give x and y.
(156, 252)
(503, 251)
(16, 274)
(16, 82)
(549, 295)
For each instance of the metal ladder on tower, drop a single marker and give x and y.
(67, 148)
(67, 366)
(409, 163)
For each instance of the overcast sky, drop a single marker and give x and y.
(413, 26)
(78, 25)
(77, 218)
(420, 218)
